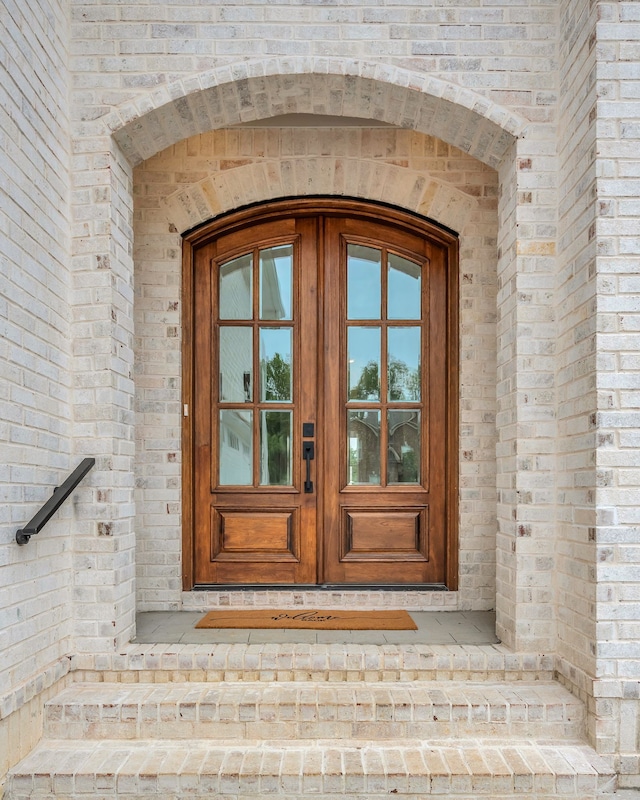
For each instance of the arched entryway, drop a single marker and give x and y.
(138, 131)
(321, 398)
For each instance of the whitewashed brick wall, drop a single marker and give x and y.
(186, 77)
(103, 360)
(36, 436)
(616, 493)
(222, 170)
(526, 368)
(506, 421)
(505, 51)
(545, 92)
(576, 346)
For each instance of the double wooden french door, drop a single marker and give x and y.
(320, 389)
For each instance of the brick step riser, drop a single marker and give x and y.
(182, 772)
(383, 729)
(320, 664)
(256, 711)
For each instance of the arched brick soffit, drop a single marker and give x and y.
(255, 90)
(225, 190)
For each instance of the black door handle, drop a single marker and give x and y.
(308, 453)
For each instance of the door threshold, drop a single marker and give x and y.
(320, 587)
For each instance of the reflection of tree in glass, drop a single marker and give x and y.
(368, 387)
(277, 372)
(404, 383)
(277, 377)
(278, 435)
(409, 468)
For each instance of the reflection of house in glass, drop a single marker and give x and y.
(236, 343)
(364, 447)
(403, 454)
(403, 459)
(236, 429)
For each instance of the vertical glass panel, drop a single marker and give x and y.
(236, 364)
(363, 363)
(403, 363)
(275, 365)
(275, 448)
(236, 447)
(236, 291)
(276, 282)
(403, 460)
(363, 282)
(363, 442)
(404, 289)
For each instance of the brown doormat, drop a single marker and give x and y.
(310, 618)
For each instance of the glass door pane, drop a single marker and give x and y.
(363, 440)
(236, 288)
(404, 290)
(275, 365)
(255, 368)
(363, 282)
(236, 364)
(403, 363)
(403, 462)
(384, 367)
(363, 363)
(275, 448)
(236, 447)
(276, 282)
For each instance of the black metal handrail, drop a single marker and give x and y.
(60, 494)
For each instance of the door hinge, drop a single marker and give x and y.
(185, 411)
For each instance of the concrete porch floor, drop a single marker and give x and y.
(434, 627)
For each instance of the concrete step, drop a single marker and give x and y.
(305, 710)
(198, 769)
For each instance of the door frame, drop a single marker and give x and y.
(316, 206)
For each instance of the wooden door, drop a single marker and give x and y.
(322, 400)
(255, 331)
(385, 323)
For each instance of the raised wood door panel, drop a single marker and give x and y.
(377, 383)
(254, 385)
(385, 403)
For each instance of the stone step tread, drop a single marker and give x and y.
(150, 768)
(308, 710)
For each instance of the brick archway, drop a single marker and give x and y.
(249, 91)
(271, 179)
(256, 90)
